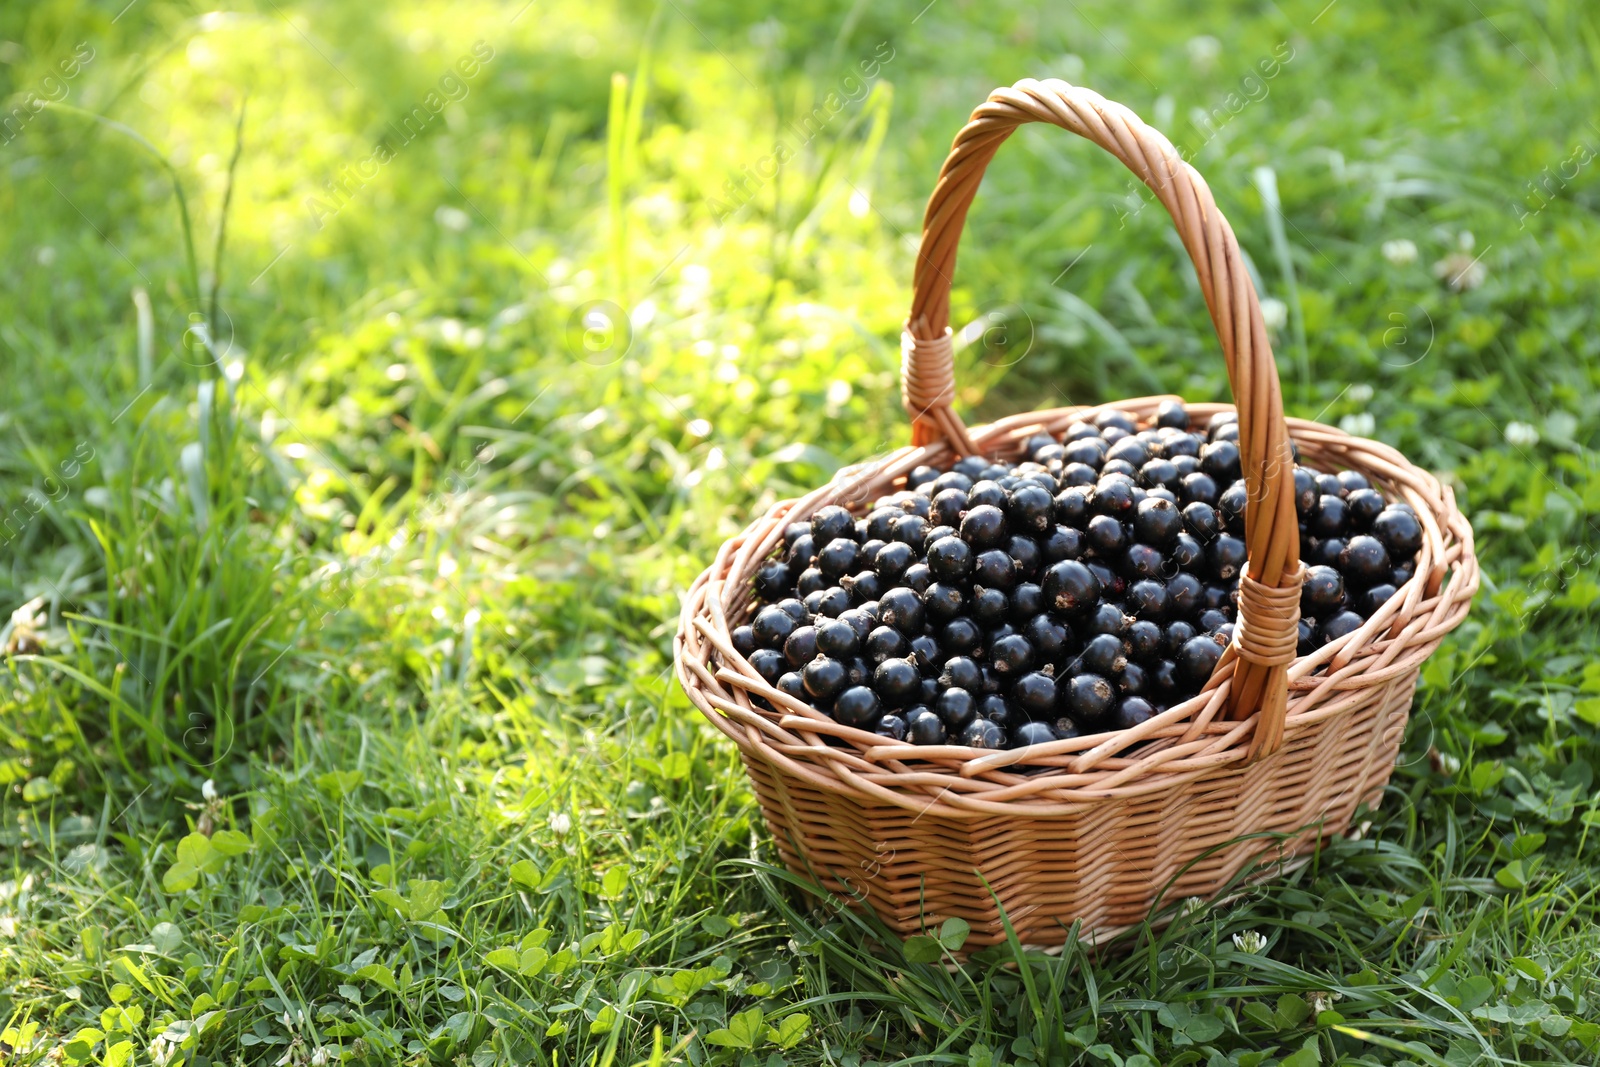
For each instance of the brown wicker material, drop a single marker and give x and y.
(1098, 828)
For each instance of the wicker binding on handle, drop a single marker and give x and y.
(1269, 596)
(1106, 828)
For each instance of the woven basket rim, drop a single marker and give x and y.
(1188, 740)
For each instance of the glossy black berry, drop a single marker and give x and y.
(1211, 621)
(1196, 660)
(1324, 552)
(1072, 506)
(917, 577)
(791, 684)
(1202, 520)
(1399, 531)
(1220, 460)
(1231, 507)
(1088, 698)
(769, 664)
(858, 706)
(885, 642)
(1143, 561)
(1108, 617)
(824, 678)
(1070, 587)
(1132, 711)
(902, 609)
(1106, 535)
(801, 646)
(943, 602)
(994, 568)
(982, 733)
(772, 626)
(1172, 413)
(744, 640)
(1374, 598)
(1143, 638)
(1029, 509)
(1323, 592)
(1308, 636)
(831, 603)
(1149, 599)
(947, 507)
(1026, 601)
(956, 707)
(1132, 679)
(1101, 655)
(1026, 558)
(1305, 491)
(1031, 733)
(1012, 655)
(1178, 633)
(960, 637)
(963, 672)
(910, 530)
(831, 522)
(897, 682)
(989, 607)
(1365, 561)
(893, 559)
(950, 559)
(1035, 694)
(1346, 622)
(795, 608)
(924, 727)
(1186, 593)
(1327, 519)
(1362, 507)
(811, 580)
(1225, 557)
(1157, 523)
(983, 527)
(1113, 497)
(925, 651)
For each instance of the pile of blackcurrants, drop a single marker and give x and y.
(1083, 589)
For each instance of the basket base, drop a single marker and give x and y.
(1111, 864)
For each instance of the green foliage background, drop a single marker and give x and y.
(345, 541)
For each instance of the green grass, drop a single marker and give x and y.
(394, 562)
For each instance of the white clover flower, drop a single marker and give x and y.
(1400, 252)
(1461, 272)
(1251, 941)
(1521, 434)
(209, 790)
(1191, 905)
(1203, 51)
(162, 1050)
(1359, 394)
(1323, 999)
(320, 1056)
(1360, 423)
(1275, 313)
(560, 823)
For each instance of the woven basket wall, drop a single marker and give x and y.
(1107, 827)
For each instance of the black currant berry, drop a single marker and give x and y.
(1323, 592)
(1346, 622)
(897, 682)
(1221, 461)
(1088, 698)
(956, 707)
(1144, 639)
(893, 559)
(989, 607)
(960, 637)
(885, 642)
(994, 568)
(1142, 561)
(1362, 506)
(744, 640)
(1108, 617)
(823, 677)
(1178, 633)
(1187, 594)
(1072, 506)
(1211, 621)
(1172, 413)
(924, 727)
(1150, 599)
(911, 530)
(1106, 535)
(925, 651)
(1309, 636)
(1031, 733)
(1365, 561)
(1131, 712)
(1202, 520)
(810, 581)
(772, 626)
(1012, 655)
(830, 522)
(983, 527)
(981, 733)
(950, 559)
(792, 685)
(1374, 598)
(1070, 586)
(1196, 660)
(801, 646)
(1305, 491)
(1048, 637)
(902, 609)
(998, 710)
(1113, 497)
(769, 664)
(1199, 488)
(1029, 509)
(858, 706)
(1225, 557)
(962, 672)
(1101, 655)
(1327, 519)
(1399, 531)
(832, 602)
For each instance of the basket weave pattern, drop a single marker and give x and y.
(1097, 828)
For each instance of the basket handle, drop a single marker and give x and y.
(1269, 592)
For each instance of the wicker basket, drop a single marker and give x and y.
(1275, 755)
